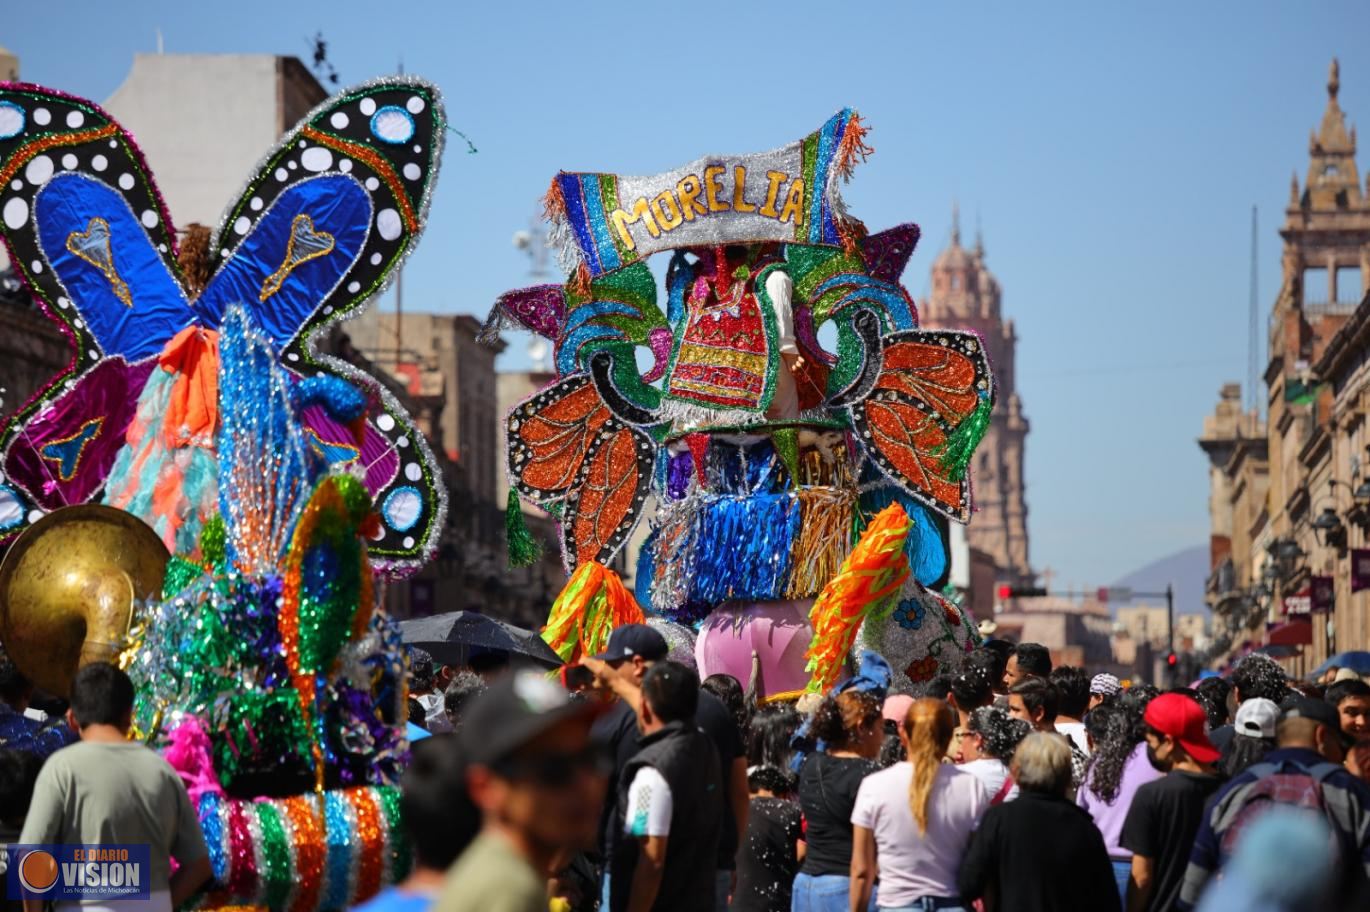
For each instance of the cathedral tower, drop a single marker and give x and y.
(965, 295)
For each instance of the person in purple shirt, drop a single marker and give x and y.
(1118, 767)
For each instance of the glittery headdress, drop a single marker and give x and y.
(321, 226)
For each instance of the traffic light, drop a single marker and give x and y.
(1007, 592)
(1171, 659)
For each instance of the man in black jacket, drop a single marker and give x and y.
(1009, 862)
(631, 652)
(670, 804)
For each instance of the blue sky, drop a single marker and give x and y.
(1113, 153)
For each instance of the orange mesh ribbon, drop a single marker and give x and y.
(870, 577)
(192, 411)
(594, 602)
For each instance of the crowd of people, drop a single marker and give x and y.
(627, 784)
(1007, 784)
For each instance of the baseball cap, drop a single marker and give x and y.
(1182, 718)
(896, 707)
(1105, 685)
(634, 640)
(1320, 711)
(1256, 718)
(514, 710)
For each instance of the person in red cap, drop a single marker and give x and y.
(1165, 814)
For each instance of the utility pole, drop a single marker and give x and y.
(1171, 665)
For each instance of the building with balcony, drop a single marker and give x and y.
(1286, 512)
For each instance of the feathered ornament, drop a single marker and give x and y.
(869, 579)
(166, 473)
(594, 602)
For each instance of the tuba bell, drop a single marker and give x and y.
(68, 587)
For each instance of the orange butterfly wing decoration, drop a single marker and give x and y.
(930, 382)
(570, 455)
(550, 434)
(609, 493)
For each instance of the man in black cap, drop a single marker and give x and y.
(1303, 771)
(632, 650)
(670, 804)
(538, 779)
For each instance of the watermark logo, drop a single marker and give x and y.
(78, 872)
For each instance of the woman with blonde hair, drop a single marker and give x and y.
(912, 822)
(850, 726)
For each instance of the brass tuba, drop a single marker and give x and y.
(68, 587)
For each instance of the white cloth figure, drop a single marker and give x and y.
(785, 400)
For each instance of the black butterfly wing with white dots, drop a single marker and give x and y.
(321, 228)
(86, 229)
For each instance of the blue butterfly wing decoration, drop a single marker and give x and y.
(88, 232)
(320, 228)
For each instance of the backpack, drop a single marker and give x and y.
(1289, 784)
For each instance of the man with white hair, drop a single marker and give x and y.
(1009, 860)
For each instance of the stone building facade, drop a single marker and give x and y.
(966, 295)
(1313, 459)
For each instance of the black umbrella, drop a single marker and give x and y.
(453, 638)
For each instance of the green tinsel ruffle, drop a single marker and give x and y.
(960, 446)
(524, 549)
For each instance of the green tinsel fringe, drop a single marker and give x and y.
(213, 543)
(180, 573)
(524, 549)
(960, 446)
(786, 443)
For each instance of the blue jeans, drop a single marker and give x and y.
(723, 885)
(1122, 870)
(928, 904)
(825, 893)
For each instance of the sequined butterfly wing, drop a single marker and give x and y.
(321, 228)
(87, 230)
(569, 454)
(930, 386)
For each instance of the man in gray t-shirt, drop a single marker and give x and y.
(107, 789)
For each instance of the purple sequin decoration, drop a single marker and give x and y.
(378, 454)
(806, 335)
(107, 393)
(888, 252)
(541, 308)
(660, 341)
(679, 470)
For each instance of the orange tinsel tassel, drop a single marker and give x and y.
(554, 203)
(852, 147)
(594, 602)
(871, 575)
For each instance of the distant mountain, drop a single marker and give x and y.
(1186, 570)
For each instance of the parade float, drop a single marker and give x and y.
(274, 486)
(795, 492)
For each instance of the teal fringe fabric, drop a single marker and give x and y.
(925, 547)
(196, 465)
